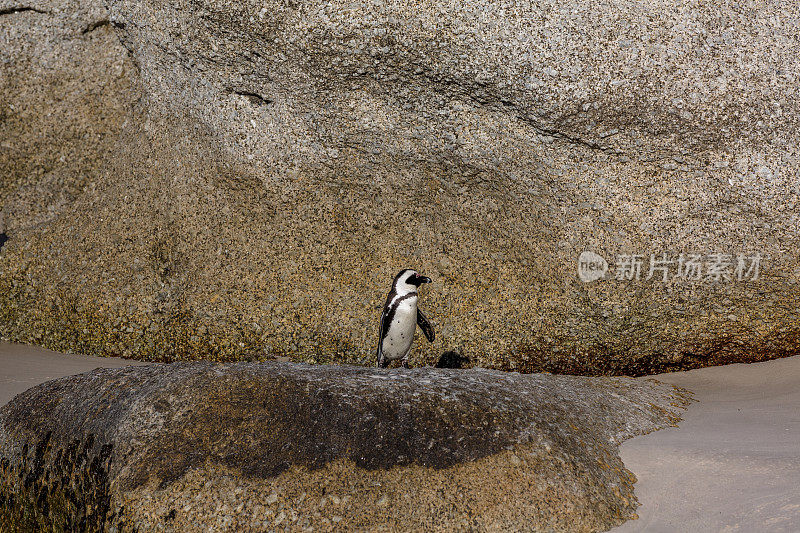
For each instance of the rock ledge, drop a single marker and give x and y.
(250, 446)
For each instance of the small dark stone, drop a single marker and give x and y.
(452, 359)
(3, 239)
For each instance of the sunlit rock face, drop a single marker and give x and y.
(236, 180)
(248, 446)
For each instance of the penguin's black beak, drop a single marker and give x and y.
(422, 279)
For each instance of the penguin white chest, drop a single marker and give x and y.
(400, 335)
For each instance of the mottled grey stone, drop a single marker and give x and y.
(76, 451)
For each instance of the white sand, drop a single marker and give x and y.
(732, 465)
(22, 367)
(734, 462)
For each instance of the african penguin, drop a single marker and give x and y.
(400, 318)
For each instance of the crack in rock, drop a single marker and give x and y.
(21, 9)
(101, 23)
(254, 98)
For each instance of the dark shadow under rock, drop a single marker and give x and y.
(167, 428)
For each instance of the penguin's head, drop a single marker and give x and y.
(408, 281)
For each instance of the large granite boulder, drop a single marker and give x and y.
(239, 179)
(254, 446)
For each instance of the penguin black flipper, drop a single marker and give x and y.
(425, 326)
(379, 354)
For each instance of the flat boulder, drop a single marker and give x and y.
(253, 446)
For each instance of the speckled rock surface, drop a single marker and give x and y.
(256, 446)
(272, 165)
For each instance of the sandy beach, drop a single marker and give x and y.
(732, 465)
(22, 367)
(734, 462)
